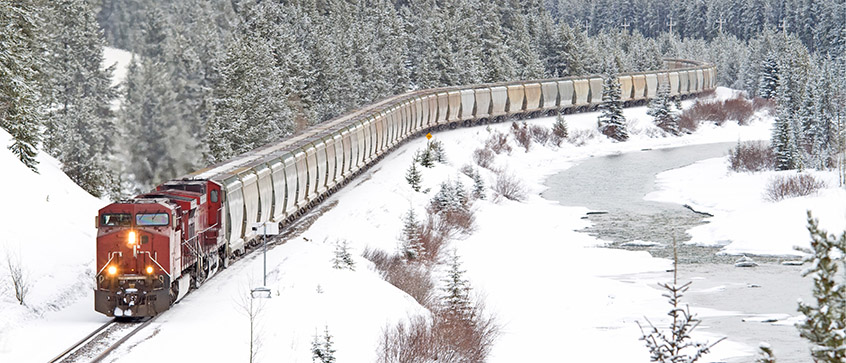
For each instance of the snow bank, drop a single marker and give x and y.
(744, 221)
(47, 222)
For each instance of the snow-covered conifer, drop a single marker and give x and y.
(460, 193)
(769, 78)
(478, 185)
(80, 125)
(824, 324)
(437, 150)
(661, 110)
(675, 346)
(456, 299)
(425, 157)
(559, 130)
(413, 176)
(321, 348)
(766, 352)
(611, 121)
(412, 244)
(20, 113)
(342, 259)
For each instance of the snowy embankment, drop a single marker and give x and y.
(47, 226)
(548, 285)
(744, 220)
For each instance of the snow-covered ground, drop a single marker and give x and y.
(548, 285)
(744, 220)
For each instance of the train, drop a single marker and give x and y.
(153, 248)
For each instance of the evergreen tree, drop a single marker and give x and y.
(437, 150)
(250, 108)
(767, 355)
(478, 185)
(425, 157)
(769, 78)
(412, 243)
(456, 299)
(19, 109)
(661, 110)
(321, 348)
(413, 177)
(343, 258)
(80, 126)
(825, 323)
(559, 130)
(783, 139)
(611, 121)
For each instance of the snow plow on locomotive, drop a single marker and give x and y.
(152, 248)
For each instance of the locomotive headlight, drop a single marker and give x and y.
(150, 270)
(112, 270)
(130, 239)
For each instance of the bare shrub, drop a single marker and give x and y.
(738, 109)
(411, 342)
(467, 169)
(412, 278)
(509, 186)
(498, 142)
(483, 157)
(252, 308)
(442, 338)
(451, 223)
(581, 137)
(766, 104)
(521, 135)
(540, 134)
(789, 186)
(20, 279)
(751, 156)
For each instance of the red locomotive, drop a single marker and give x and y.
(150, 249)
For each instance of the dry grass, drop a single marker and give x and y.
(751, 156)
(790, 186)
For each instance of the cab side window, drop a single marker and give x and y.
(214, 197)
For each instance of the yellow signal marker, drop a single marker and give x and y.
(429, 136)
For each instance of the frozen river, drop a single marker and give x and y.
(749, 305)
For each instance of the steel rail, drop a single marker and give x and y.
(126, 337)
(82, 341)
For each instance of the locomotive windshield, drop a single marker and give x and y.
(151, 219)
(116, 219)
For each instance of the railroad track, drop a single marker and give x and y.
(101, 342)
(97, 345)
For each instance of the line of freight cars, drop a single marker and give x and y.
(153, 248)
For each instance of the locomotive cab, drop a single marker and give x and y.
(135, 270)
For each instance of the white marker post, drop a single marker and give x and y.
(272, 229)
